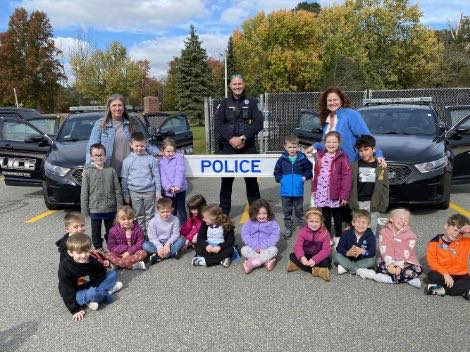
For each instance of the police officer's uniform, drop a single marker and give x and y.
(235, 118)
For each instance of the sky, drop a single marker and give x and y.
(156, 29)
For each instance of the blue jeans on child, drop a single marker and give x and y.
(150, 248)
(100, 293)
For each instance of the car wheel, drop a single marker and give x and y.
(49, 205)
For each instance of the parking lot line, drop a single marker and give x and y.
(41, 216)
(459, 209)
(245, 216)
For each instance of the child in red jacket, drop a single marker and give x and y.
(447, 256)
(191, 227)
(332, 182)
(312, 247)
(125, 241)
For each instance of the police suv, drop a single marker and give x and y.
(31, 157)
(424, 154)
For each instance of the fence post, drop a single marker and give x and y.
(207, 124)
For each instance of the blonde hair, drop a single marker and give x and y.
(79, 243)
(221, 219)
(314, 211)
(125, 212)
(168, 142)
(399, 211)
(73, 217)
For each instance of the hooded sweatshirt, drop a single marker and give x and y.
(313, 243)
(172, 173)
(397, 248)
(260, 235)
(140, 174)
(162, 231)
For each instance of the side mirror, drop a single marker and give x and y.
(442, 127)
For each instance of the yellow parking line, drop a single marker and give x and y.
(41, 216)
(245, 216)
(460, 210)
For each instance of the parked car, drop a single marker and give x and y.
(424, 155)
(57, 165)
(47, 123)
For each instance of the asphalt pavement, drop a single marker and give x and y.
(174, 306)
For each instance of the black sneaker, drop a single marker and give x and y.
(466, 295)
(436, 290)
(154, 259)
(288, 233)
(178, 254)
(226, 262)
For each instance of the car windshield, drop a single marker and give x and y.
(77, 128)
(48, 126)
(400, 121)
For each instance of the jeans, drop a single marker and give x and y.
(351, 265)
(252, 192)
(297, 203)
(144, 207)
(178, 202)
(100, 293)
(96, 231)
(150, 248)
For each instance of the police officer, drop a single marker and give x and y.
(238, 121)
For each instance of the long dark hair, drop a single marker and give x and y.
(257, 205)
(197, 202)
(125, 115)
(322, 106)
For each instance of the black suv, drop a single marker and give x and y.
(423, 154)
(57, 165)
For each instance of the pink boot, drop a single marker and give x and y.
(250, 264)
(270, 264)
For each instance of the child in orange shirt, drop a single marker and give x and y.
(447, 255)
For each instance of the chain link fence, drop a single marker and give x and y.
(281, 110)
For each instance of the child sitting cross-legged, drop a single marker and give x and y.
(125, 241)
(356, 248)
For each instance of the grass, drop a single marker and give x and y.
(199, 139)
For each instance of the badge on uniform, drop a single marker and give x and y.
(247, 102)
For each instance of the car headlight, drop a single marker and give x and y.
(54, 170)
(432, 165)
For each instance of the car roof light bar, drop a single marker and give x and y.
(378, 101)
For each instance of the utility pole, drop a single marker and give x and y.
(16, 97)
(225, 64)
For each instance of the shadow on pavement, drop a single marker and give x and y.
(13, 338)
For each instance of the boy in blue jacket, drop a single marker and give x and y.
(291, 171)
(356, 248)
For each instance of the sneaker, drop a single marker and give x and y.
(288, 233)
(341, 270)
(291, 266)
(336, 241)
(226, 262)
(383, 278)
(435, 289)
(178, 254)
(366, 273)
(248, 266)
(154, 259)
(199, 261)
(93, 305)
(416, 282)
(466, 295)
(322, 273)
(117, 286)
(139, 266)
(270, 264)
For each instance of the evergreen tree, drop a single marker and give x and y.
(231, 67)
(308, 6)
(193, 79)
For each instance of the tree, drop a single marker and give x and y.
(193, 79)
(218, 77)
(169, 95)
(29, 61)
(308, 6)
(98, 74)
(231, 67)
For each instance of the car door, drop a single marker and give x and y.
(458, 138)
(309, 128)
(177, 128)
(22, 151)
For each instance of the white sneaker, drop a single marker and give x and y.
(139, 266)
(384, 278)
(117, 286)
(93, 305)
(336, 241)
(366, 273)
(341, 270)
(416, 282)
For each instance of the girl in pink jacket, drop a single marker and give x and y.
(190, 227)
(312, 248)
(398, 262)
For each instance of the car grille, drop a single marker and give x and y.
(398, 173)
(77, 176)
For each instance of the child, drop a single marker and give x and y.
(356, 248)
(215, 239)
(125, 241)
(83, 281)
(291, 171)
(172, 173)
(100, 194)
(398, 262)
(164, 234)
(312, 248)
(370, 186)
(74, 223)
(331, 184)
(447, 256)
(260, 235)
(141, 180)
(191, 227)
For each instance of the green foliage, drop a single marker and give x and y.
(28, 58)
(308, 6)
(193, 79)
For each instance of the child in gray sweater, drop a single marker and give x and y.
(141, 185)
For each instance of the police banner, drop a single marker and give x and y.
(231, 165)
